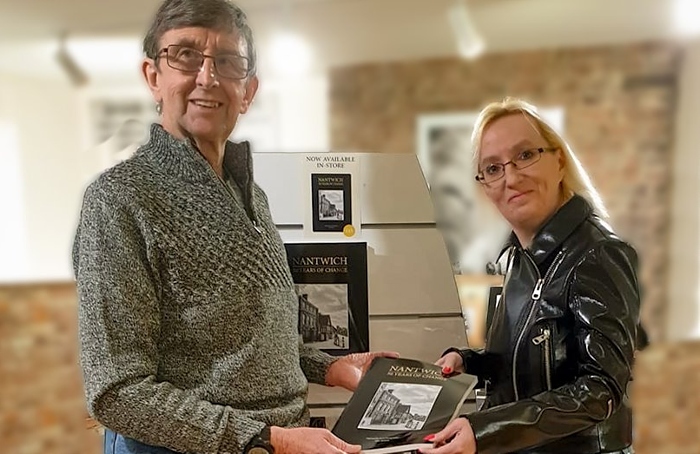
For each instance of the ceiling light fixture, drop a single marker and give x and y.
(290, 54)
(470, 44)
(685, 17)
(73, 70)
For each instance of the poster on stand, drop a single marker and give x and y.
(332, 188)
(331, 200)
(331, 285)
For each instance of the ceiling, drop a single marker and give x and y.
(345, 32)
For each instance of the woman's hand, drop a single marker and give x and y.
(349, 370)
(306, 440)
(451, 363)
(456, 438)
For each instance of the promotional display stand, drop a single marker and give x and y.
(412, 301)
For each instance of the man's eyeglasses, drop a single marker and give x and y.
(189, 60)
(522, 160)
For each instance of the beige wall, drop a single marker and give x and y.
(684, 294)
(45, 198)
(619, 107)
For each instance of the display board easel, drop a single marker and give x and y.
(414, 306)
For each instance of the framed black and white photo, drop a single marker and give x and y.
(444, 152)
(472, 230)
(444, 141)
(331, 284)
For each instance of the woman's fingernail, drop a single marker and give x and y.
(447, 370)
(430, 437)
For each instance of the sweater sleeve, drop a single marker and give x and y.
(315, 363)
(116, 271)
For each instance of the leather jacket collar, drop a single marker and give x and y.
(557, 229)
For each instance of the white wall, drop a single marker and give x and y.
(40, 204)
(288, 115)
(684, 293)
(45, 161)
(13, 238)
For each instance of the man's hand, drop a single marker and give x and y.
(451, 363)
(306, 440)
(461, 439)
(349, 370)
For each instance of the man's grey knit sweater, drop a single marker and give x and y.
(188, 316)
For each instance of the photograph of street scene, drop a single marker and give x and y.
(330, 205)
(323, 315)
(399, 406)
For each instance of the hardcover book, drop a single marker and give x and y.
(398, 403)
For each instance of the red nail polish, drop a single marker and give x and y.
(430, 437)
(447, 370)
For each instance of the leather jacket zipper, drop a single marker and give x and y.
(535, 297)
(545, 338)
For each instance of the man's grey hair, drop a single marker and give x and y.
(219, 15)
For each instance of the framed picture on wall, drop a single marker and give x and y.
(444, 153)
(115, 122)
(260, 125)
(473, 232)
(444, 141)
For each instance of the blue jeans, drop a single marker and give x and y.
(118, 444)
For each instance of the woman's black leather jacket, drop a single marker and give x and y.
(560, 348)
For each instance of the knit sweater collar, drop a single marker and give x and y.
(181, 158)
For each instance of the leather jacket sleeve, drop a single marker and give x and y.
(604, 301)
(477, 362)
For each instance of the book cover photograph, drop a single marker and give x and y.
(331, 201)
(398, 403)
(331, 284)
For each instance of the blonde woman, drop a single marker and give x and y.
(560, 348)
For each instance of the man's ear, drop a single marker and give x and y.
(250, 89)
(150, 72)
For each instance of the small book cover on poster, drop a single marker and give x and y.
(331, 201)
(331, 284)
(398, 403)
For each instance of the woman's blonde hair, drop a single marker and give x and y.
(576, 179)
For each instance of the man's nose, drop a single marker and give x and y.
(206, 76)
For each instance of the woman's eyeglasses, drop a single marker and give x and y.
(522, 160)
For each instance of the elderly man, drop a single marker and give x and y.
(188, 316)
